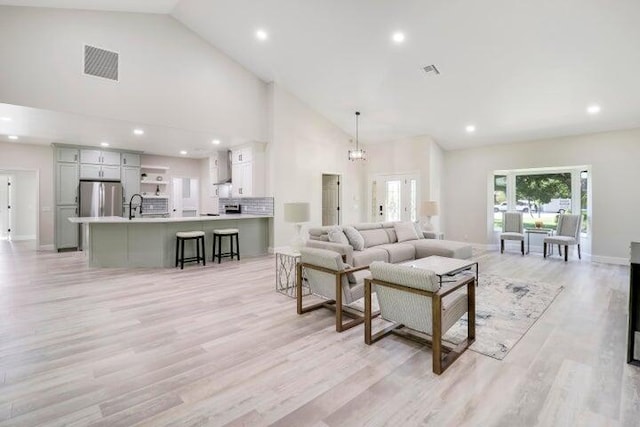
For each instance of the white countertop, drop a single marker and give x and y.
(121, 220)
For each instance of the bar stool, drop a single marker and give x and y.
(217, 237)
(181, 237)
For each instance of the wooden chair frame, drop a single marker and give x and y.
(335, 305)
(440, 364)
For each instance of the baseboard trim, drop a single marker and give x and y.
(46, 247)
(609, 260)
(20, 238)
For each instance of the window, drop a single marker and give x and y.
(499, 200)
(394, 203)
(413, 202)
(541, 195)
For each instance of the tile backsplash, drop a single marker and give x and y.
(249, 205)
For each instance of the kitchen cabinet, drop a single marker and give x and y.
(66, 232)
(99, 157)
(130, 159)
(66, 184)
(247, 171)
(242, 155)
(68, 155)
(130, 182)
(88, 171)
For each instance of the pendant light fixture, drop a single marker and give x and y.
(358, 153)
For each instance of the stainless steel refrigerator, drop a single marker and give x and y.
(100, 198)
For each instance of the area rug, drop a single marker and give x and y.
(505, 310)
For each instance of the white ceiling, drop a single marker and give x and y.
(37, 126)
(145, 6)
(516, 70)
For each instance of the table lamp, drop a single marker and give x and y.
(296, 213)
(428, 209)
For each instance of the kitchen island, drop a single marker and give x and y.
(151, 242)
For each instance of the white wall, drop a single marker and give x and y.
(34, 157)
(421, 155)
(615, 176)
(168, 75)
(179, 167)
(303, 146)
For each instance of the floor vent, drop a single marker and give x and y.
(431, 69)
(100, 63)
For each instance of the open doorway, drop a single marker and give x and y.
(331, 214)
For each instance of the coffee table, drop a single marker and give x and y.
(443, 266)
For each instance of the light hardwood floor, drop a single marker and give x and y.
(217, 346)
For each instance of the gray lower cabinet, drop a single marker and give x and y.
(66, 184)
(66, 232)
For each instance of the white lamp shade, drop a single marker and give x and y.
(296, 212)
(429, 208)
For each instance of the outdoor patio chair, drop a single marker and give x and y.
(512, 229)
(413, 300)
(333, 280)
(567, 234)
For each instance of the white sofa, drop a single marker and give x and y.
(381, 244)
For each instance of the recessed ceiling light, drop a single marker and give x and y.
(5, 119)
(104, 144)
(13, 137)
(470, 128)
(593, 109)
(138, 132)
(183, 152)
(398, 37)
(262, 35)
(215, 142)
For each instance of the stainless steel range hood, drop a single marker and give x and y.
(224, 169)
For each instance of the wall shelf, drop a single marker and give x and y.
(154, 182)
(155, 167)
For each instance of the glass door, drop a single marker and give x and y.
(395, 198)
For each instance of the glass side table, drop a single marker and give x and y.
(545, 231)
(286, 274)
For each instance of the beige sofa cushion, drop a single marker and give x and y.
(366, 257)
(355, 238)
(445, 248)
(336, 235)
(405, 231)
(399, 252)
(375, 237)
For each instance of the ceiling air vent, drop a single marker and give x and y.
(100, 63)
(431, 69)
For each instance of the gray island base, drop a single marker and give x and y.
(151, 242)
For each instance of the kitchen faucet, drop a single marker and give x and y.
(131, 208)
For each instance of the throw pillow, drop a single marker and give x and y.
(355, 238)
(405, 231)
(350, 276)
(337, 236)
(419, 230)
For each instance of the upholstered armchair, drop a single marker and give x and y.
(330, 278)
(512, 229)
(415, 302)
(567, 234)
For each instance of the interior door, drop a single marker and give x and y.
(177, 197)
(330, 199)
(5, 211)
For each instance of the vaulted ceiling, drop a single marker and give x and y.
(515, 70)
